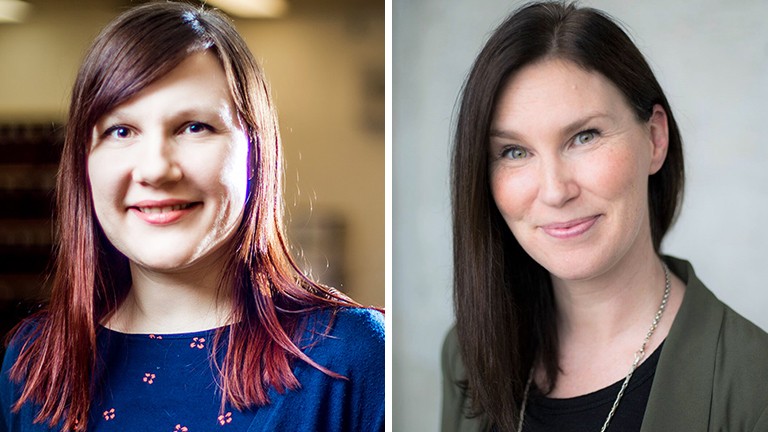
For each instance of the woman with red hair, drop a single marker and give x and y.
(176, 305)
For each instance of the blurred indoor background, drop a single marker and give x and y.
(325, 61)
(711, 57)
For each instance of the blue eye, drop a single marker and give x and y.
(119, 132)
(514, 153)
(585, 137)
(197, 128)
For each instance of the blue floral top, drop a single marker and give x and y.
(167, 383)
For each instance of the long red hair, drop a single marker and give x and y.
(270, 294)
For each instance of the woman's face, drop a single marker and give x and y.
(569, 166)
(168, 168)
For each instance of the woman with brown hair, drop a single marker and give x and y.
(567, 173)
(176, 304)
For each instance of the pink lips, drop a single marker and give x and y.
(570, 229)
(162, 212)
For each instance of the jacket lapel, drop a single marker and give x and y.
(681, 394)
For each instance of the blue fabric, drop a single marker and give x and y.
(166, 383)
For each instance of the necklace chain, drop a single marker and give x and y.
(639, 356)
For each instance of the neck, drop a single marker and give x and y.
(598, 311)
(177, 301)
(602, 322)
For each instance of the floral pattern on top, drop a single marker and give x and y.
(198, 343)
(109, 414)
(184, 400)
(225, 419)
(149, 378)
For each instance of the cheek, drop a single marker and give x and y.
(108, 186)
(513, 190)
(104, 179)
(231, 176)
(618, 175)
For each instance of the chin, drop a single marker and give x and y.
(173, 253)
(162, 260)
(162, 265)
(573, 274)
(574, 266)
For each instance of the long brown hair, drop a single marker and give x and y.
(503, 300)
(270, 294)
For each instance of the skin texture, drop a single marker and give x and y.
(178, 139)
(547, 169)
(569, 167)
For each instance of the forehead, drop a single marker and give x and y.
(555, 91)
(199, 80)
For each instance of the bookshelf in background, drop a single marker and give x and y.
(29, 156)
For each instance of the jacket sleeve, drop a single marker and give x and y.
(455, 401)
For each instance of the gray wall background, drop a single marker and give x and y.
(711, 57)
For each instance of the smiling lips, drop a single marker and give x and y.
(570, 229)
(163, 212)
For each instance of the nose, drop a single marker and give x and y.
(156, 164)
(557, 185)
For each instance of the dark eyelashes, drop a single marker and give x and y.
(583, 137)
(506, 150)
(593, 131)
(194, 127)
(204, 126)
(110, 130)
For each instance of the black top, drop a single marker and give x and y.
(587, 413)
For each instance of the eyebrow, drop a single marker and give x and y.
(566, 130)
(120, 116)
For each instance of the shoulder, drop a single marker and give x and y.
(739, 328)
(10, 390)
(346, 339)
(359, 323)
(743, 352)
(714, 359)
(743, 336)
(742, 349)
(452, 365)
(740, 373)
(737, 339)
(348, 343)
(455, 412)
(27, 330)
(739, 346)
(22, 335)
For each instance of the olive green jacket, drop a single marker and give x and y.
(712, 374)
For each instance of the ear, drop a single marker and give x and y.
(659, 136)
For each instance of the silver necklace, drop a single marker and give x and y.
(639, 356)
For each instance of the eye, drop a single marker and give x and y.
(119, 132)
(514, 153)
(196, 128)
(585, 137)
